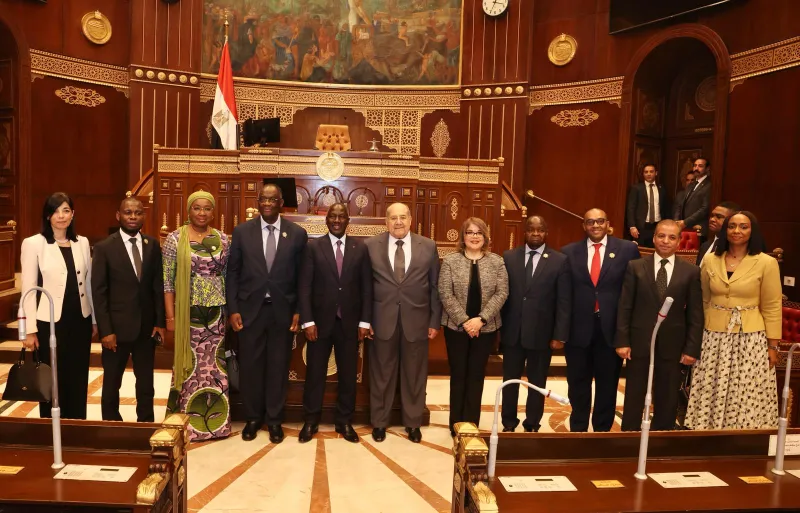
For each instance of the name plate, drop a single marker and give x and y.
(96, 473)
(10, 470)
(755, 479)
(792, 445)
(607, 483)
(795, 473)
(537, 484)
(687, 479)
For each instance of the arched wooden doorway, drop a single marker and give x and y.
(675, 106)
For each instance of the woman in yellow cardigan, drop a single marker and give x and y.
(733, 384)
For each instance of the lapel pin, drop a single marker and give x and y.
(284, 235)
(213, 248)
(145, 241)
(611, 255)
(545, 256)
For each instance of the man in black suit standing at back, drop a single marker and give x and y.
(335, 312)
(262, 300)
(648, 282)
(597, 267)
(128, 297)
(715, 220)
(694, 209)
(647, 205)
(535, 319)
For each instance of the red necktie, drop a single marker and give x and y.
(595, 272)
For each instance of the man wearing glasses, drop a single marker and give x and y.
(597, 266)
(262, 300)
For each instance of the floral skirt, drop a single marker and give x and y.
(732, 384)
(204, 394)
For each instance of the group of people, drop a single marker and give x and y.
(596, 299)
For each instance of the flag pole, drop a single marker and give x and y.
(226, 26)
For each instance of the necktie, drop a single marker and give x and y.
(651, 214)
(661, 280)
(399, 262)
(595, 271)
(271, 247)
(692, 186)
(339, 257)
(529, 270)
(137, 258)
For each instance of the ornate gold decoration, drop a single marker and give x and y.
(54, 65)
(162, 75)
(193, 80)
(330, 166)
(706, 94)
(562, 50)
(150, 488)
(519, 89)
(357, 230)
(483, 497)
(292, 375)
(487, 91)
(165, 437)
(362, 201)
(467, 93)
(498, 90)
(453, 209)
(579, 117)
(96, 27)
(401, 129)
(452, 235)
(236, 220)
(433, 231)
(765, 59)
(440, 138)
(139, 73)
(477, 91)
(419, 228)
(576, 92)
(172, 77)
(509, 90)
(151, 74)
(222, 223)
(78, 96)
(511, 241)
(331, 360)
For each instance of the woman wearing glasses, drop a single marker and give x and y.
(473, 286)
(195, 262)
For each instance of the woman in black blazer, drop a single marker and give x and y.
(60, 261)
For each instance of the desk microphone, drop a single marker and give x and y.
(783, 422)
(494, 438)
(648, 398)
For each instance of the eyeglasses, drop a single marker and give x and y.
(591, 222)
(271, 201)
(402, 218)
(473, 234)
(198, 209)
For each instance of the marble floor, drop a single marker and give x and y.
(327, 475)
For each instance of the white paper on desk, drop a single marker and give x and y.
(792, 446)
(795, 473)
(96, 473)
(687, 479)
(537, 484)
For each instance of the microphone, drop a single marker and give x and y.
(648, 398)
(21, 328)
(783, 422)
(493, 439)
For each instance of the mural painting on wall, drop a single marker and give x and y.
(363, 42)
(684, 165)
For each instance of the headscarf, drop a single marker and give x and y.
(183, 297)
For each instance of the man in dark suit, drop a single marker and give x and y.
(715, 220)
(648, 282)
(694, 209)
(597, 266)
(128, 297)
(647, 205)
(335, 311)
(262, 300)
(406, 314)
(535, 319)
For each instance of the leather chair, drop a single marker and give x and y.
(689, 241)
(791, 322)
(333, 138)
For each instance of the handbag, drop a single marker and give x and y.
(232, 364)
(29, 380)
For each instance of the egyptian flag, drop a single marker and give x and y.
(223, 118)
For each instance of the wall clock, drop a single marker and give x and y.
(495, 8)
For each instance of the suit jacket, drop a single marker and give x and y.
(123, 304)
(682, 330)
(636, 210)
(247, 280)
(454, 281)
(322, 292)
(609, 286)
(756, 282)
(37, 256)
(540, 313)
(702, 251)
(415, 299)
(695, 204)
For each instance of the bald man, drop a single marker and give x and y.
(406, 314)
(597, 266)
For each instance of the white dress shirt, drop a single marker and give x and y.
(602, 249)
(276, 234)
(129, 246)
(669, 267)
(656, 200)
(406, 249)
(536, 254)
(709, 250)
(701, 178)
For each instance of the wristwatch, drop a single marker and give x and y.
(483, 320)
(774, 348)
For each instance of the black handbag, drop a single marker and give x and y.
(232, 365)
(29, 380)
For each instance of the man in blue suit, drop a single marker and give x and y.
(597, 265)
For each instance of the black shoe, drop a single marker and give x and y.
(379, 434)
(250, 430)
(306, 434)
(414, 434)
(275, 433)
(508, 429)
(347, 432)
(529, 429)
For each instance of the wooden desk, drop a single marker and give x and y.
(158, 451)
(585, 457)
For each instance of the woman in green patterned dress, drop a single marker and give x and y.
(195, 261)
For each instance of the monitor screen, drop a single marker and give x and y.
(629, 14)
(262, 131)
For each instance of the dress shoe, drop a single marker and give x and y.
(347, 432)
(529, 430)
(250, 430)
(508, 430)
(275, 433)
(379, 434)
(414, 434)
(306, 434)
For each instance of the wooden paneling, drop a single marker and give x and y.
(166, 35)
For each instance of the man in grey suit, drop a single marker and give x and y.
(694, 208)
(406, 313)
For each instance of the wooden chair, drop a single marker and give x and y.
(333, 138)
